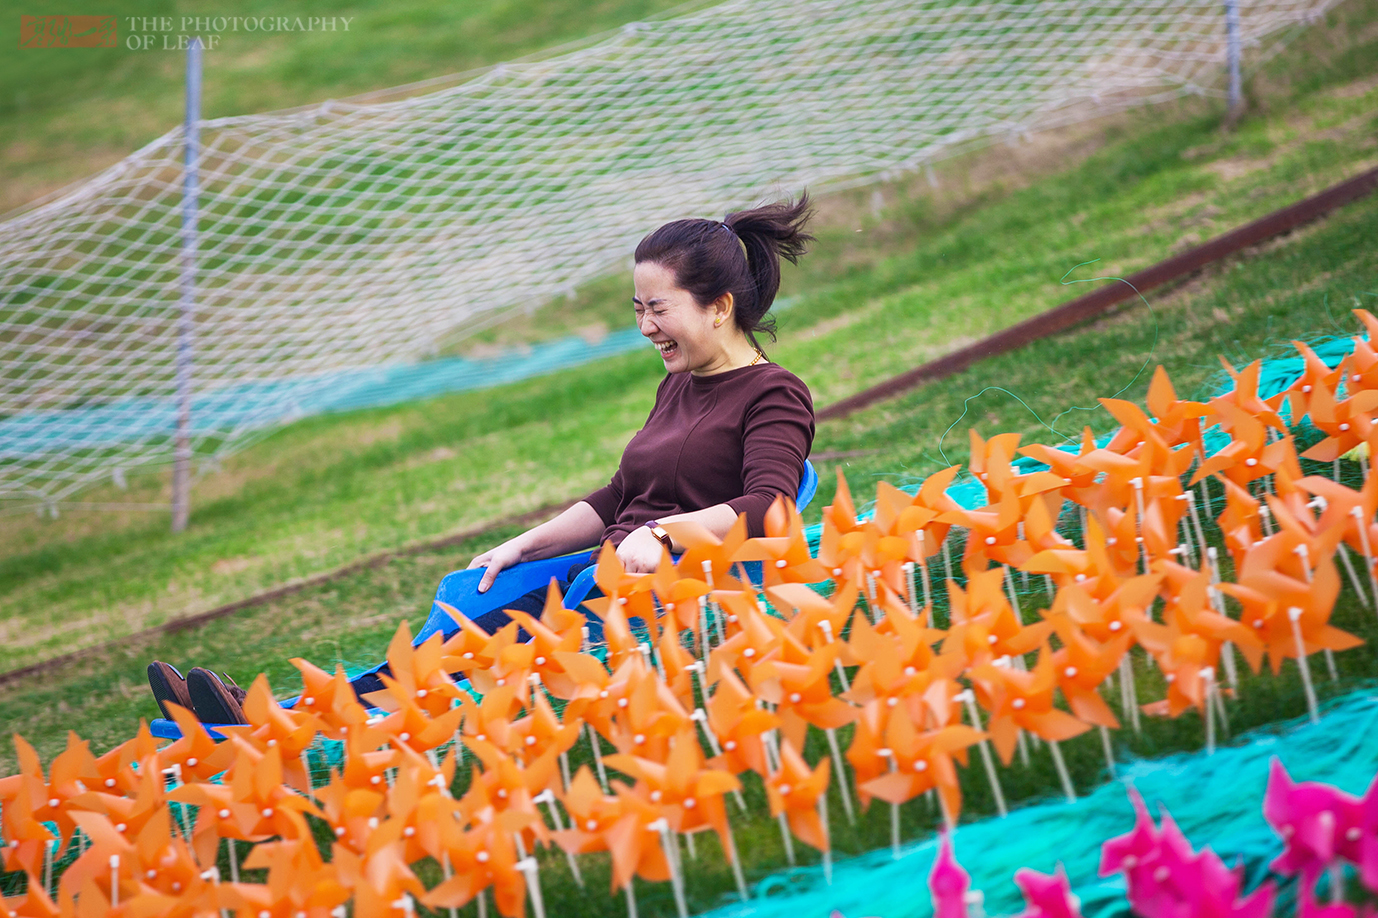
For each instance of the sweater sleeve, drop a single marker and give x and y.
(607, 499)
(778, 432)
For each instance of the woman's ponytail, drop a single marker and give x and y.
(768, 233)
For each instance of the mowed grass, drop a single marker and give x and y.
(889, 284)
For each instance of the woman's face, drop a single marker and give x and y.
(683, 331)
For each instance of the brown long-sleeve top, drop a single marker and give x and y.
(738, 438)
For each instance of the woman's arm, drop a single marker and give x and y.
(640, 551)
(578, 527)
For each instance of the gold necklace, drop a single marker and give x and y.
(759, 357)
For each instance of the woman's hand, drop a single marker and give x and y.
(496, 560)
(640, 552)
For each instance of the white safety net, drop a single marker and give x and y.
(341, 238)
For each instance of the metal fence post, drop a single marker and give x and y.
(181, 468)
(1232, 52)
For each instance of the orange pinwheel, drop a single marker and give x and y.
(539, 732)
(924, 513)
(1123, 612)
(687, 794)
(702, 548)
(797, 681)
(1270, 583)
(417, 676)
(756, 637)
(511, 664)
(814, 619)
(273, 727)
(1248, 456)
(299, 883)
(420, 798)
(469, 648)
(651, 717)
(993, 533)
(109, 867)
(116, 770)
(679, 597)
(1316, 378)
(129, 813)
(1346, 423)
(1244, 396)
(990, 463)
(1081, 482)
(1022, 701)
(380, 877)
(784, 551)
(984, 625)
(591, 814)
(924, 761)
(737, 724)
(1081, 665)
(795, 790)
(37, 799)
(330, 698)
(483, 856)
(169, 870)
(1239, 522)
(1177, 422)
(558, 631)
(1364, 360)
(253, 804)
(351, 811)
(366, 760)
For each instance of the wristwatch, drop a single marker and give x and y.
(661, 534)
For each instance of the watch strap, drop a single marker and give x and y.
(659, 532)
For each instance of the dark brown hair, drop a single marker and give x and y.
(739, 255)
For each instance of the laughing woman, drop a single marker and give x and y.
(728, 433)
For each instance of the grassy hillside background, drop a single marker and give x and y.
(66, 113)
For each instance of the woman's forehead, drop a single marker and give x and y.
(654, 281)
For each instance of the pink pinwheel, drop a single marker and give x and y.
(1318, 824)
(1166, 879)
(1047, 896)
(948, 883)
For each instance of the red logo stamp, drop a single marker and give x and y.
(67, 32)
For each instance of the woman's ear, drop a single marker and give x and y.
(722, 309)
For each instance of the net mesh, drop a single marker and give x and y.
(341, 238)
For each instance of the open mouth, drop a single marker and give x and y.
(667, 349)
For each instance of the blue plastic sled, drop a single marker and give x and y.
(460, 590)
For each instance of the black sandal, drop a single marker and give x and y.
(213, 701)
(168, 687)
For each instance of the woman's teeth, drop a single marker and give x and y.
(665, 348)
